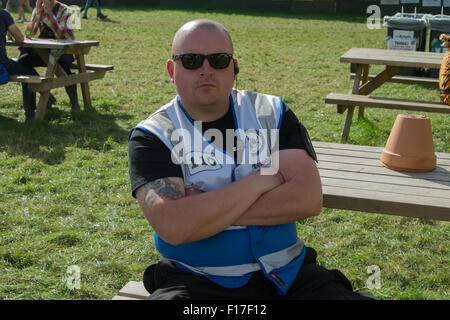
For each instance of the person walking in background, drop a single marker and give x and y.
(18, 5)
(26, 3)
(96, 3)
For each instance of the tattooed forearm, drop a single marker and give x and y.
(149, 194)
(162, 189)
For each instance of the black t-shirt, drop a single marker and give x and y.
(5, 21)
(150, 159)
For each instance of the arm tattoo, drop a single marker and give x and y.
(162, 189)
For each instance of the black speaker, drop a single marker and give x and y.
(236, 67)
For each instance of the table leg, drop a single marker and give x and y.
(350, 109)
(45, 54)
(365, 89)
(84, 85)
(358, 77)
(44, 95)
(364, 80)
(42, 105)
(348, 123)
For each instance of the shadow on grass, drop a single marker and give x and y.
(274, 13)
(49, 139)
(109, 20)
(367, 132)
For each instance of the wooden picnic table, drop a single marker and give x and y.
(353, 178)
(393, 58)
(50, 50)
(365, 83)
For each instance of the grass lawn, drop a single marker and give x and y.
(64, 190)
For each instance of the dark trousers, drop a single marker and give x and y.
(89, 4)
(29, 98)
(32, 59)
(166, 282)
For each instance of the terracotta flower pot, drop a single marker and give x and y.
(410, 145)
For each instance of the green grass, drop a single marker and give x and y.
(64, 189)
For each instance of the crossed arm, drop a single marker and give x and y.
(180, 215)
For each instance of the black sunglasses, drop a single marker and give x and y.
(193, 61)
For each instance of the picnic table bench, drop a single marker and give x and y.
(354, 179)
(50, 50)
(365, 83)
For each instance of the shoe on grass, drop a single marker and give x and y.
(75, 108)
(51, 101)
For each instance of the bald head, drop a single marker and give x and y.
(182, 35)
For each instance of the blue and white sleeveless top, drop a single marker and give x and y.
(230, 257)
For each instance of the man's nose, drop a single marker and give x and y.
(206, 68)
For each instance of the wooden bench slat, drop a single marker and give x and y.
(342, 159)
(382, 202)
(27, 78)
(76, 78)
(441, 169)
(368, 177)
(406, 79)
(366, 153)
(351, 153)
(386, 103)
(124, 298)
(341, 146)
(72, 79)
(361, 154)
(95, 67)
(439, 174)
(438, 194)
(134, 289)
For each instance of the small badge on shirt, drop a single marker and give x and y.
(201, 161)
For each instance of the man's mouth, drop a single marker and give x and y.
(207, 85)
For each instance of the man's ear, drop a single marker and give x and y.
(170, 69)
